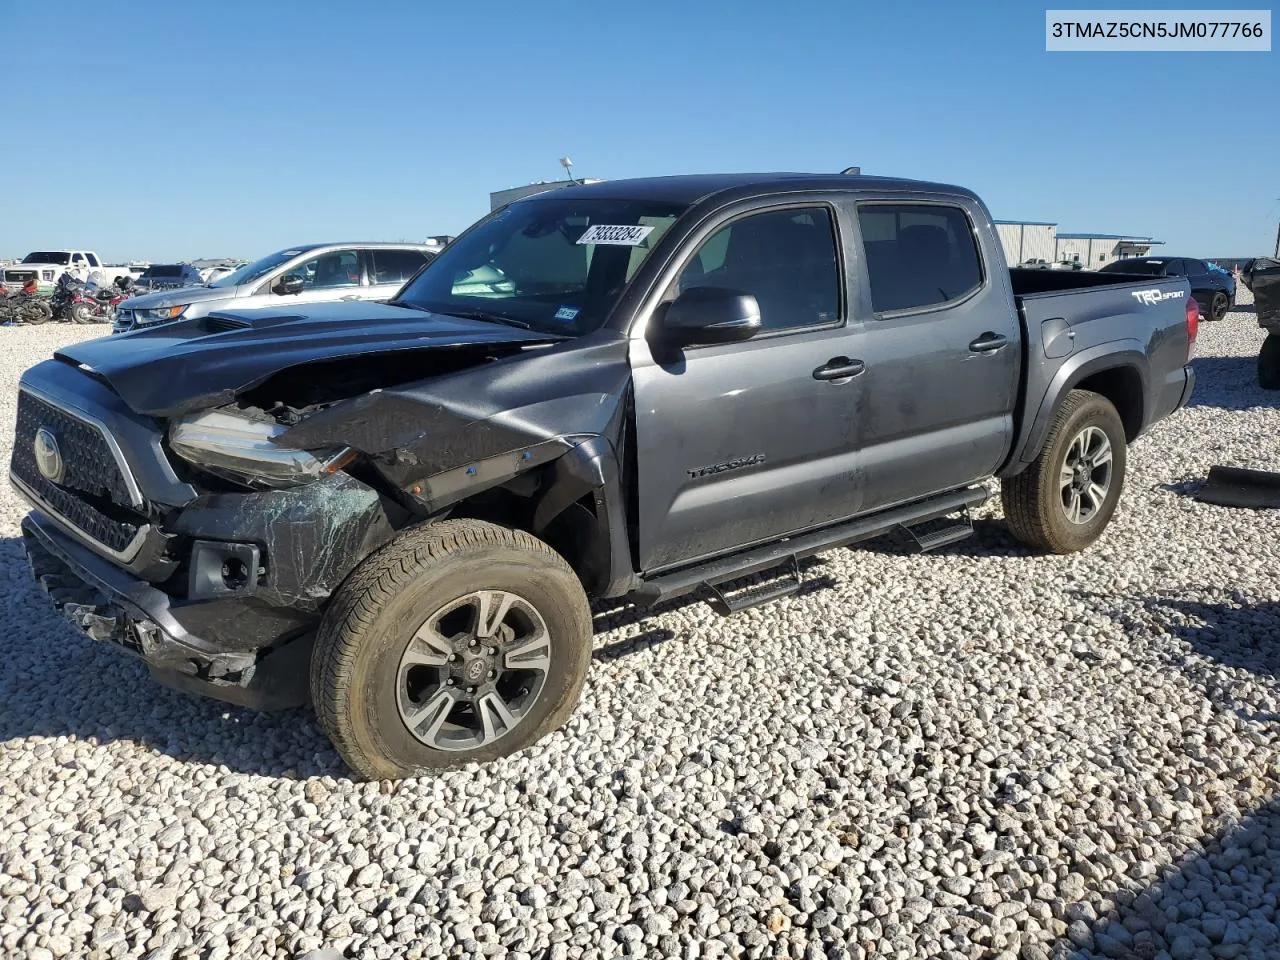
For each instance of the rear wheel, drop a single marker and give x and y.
(1218, 306)
(461, 641)
(1269, 363)
(81, 313)
(1065, 499)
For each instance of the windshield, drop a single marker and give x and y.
(1152, 268)
(45, 257)
(259, 268)
(552, 264)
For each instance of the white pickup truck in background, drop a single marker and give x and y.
(46, 267)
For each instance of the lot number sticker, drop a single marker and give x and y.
(615, 236)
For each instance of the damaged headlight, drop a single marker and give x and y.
(241, 449)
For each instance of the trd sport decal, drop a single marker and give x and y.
(1152, 297)
(736, 464)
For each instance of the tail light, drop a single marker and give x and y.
(1193, 324)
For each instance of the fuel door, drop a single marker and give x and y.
(1057, 338)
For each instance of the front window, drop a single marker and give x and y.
(341, 268)
(251, 272)
(554, 264)
(786, 259)
(46, 257)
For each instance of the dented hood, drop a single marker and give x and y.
(195, 364)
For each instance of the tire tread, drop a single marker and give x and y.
(1022, 495)
(356, 605)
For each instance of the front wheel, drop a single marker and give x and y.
(1218, 306)
(1066, 498)
(460, 641)
(81, 313)
(35, 313)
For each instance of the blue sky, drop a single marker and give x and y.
(181, 130)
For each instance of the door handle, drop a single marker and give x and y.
(839, 368)
(988, 343)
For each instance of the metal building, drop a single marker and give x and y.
(1095, 250)
(1025, 240)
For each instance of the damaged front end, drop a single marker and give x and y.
(208, 541)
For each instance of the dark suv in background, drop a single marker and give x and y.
(1214, 290)
(167, 276)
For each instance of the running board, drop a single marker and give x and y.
(933, 534)
(664, 586)
(727, 602)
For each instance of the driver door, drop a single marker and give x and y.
(331, 276)
(745, 442)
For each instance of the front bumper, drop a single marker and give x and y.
(110, 605)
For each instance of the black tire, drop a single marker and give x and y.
(1036, 501)
(35, 313)
(357, 672)
(81, 313)
(1269, 363)
(1218, 306)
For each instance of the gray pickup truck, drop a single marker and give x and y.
(635, 389)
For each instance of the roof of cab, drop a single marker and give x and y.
(690, 188)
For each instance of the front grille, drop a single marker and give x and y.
(19, 276)
(92, 495)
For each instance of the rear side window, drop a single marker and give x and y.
(395, 266)
(785, 258)
(918, 255)
(1195, 267)
(93, 261)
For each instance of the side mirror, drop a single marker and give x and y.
(706, 315)
(288, 285)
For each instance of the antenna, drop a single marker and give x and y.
(568, 168)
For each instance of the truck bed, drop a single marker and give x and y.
(1078, 319)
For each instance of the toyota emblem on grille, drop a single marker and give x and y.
(48, 456)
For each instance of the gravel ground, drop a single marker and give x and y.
(974, 753)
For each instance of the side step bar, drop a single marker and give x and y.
(931, 535)
(721, 570)
(785, 584)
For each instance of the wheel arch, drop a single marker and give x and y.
(574, 504)
(1119, 375)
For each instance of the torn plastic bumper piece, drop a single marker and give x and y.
(110, 605)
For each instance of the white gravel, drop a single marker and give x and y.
(969, 754)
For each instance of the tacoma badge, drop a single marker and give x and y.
(736, 464)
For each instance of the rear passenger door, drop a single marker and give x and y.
(941, 346)
(389, 269)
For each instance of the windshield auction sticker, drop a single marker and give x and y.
(1158, 30)
(615, 236)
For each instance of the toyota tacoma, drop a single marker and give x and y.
(630, 390)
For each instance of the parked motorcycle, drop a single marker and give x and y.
(26, 306)
(80, 303)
